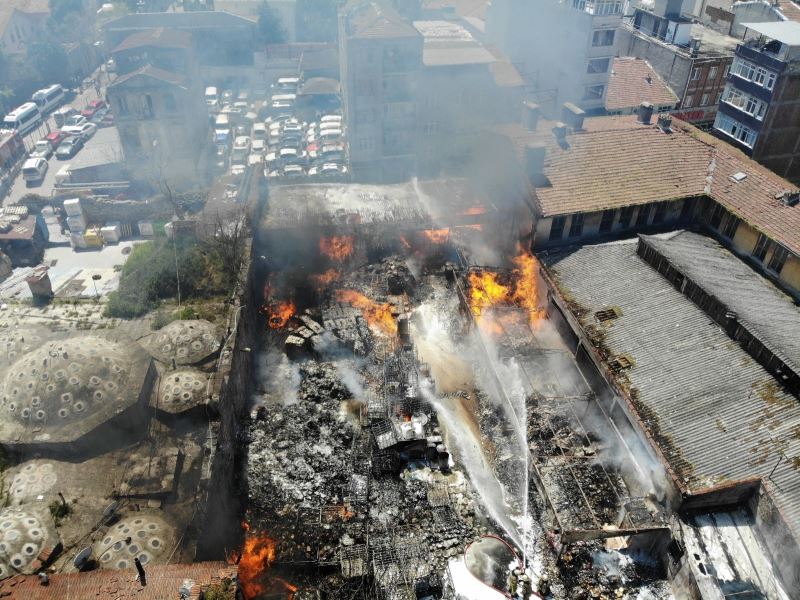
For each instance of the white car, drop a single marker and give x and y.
(86, 131)
(75, 120)
(294, 172)
(331, 119)
(42, 149)
(34, 169)
(328, 170)
(258, 146)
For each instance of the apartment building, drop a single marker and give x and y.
(564, 50)
(760, 108)
(693, 59)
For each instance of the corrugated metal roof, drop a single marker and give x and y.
(763, 309)
(717, 415)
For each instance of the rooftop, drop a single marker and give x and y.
(163, 581)
(159, 37)
(596, 170)
(715, 414)
(448, 43)
(376, 19)
(154, 73)
(104, 148)
(634, 81)
(179, 20)
(769, 314)
(21, 230)
(786, 32)
(8, 7)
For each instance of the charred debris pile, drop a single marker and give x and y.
(352, 491)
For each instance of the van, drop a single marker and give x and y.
(222, 122)
(212, 98)
(259, 131)
(64, 113)
(49, 98)
(288, 84)
(23, 119)
(330, 135)
(34, 169)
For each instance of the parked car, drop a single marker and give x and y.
(294, 172)
(327, 152)
(69, 147)
(42, 149)
(331, 119)
(85, 131)
(73, 120)
(34, 169)
(258, 147)
(55, 138)
(328, 170)
(93, 108)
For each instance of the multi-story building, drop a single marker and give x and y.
(693, 59)
(617, 176)
(564, 50)
(380, 57)
(22, 22)
(158, 104)
(760, 108)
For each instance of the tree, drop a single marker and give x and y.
(270, 28)
(49, 61)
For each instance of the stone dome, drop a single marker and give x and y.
(187, 342)
(23, 535)
(64, 388)
(141, 536)
(181, 390)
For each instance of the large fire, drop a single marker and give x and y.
(322, 280)
(279, 313)
(437, 236)
(487, 291)
(257, 555)
(337, 247)
(379, 316)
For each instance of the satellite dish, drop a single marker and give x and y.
(110, 510)
(82, 558)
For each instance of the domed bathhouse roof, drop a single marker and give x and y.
(182, 390)
(187, 342)
(141, 535)
(23, 535)
(64, 389)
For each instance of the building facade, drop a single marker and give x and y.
(760, 108)
(22, 22)
(564, 50)
(691, 58)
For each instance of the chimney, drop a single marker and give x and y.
(572, 116)
(665, 122)
(645, 112)
(560, 131)
(530, 115)
(534, 163)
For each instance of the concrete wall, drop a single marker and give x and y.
(673, 65)
(778, 143)
(753, 11)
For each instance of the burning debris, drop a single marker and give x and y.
(338, 248)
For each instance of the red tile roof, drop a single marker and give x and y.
(634, 81)
(789, 9)
(617, 161)
(155, 73)
(159, 37)
(163, 583)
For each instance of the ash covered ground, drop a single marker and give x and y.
(377, 453)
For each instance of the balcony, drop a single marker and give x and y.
(602, 8)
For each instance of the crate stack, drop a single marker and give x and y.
(76, 222)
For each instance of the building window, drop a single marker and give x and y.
(557, 228)
(736, 130)
(717, 99)
(704, 100)
(778, 259)
(643, 216)
(726, 71)
(688, 102)
(745, 102)
(625, 216)
(607, 220)
(576, 226)
(661, 213)
(598, 65)
(762, 244)
(754, 73)
(712, 73)
(603, 37)
(594, 92)
(730, 227)
(695, 73)
(716, 216)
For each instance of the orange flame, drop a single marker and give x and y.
(325, 279)
(405, 243)
(475, 210)
(379, 316)
(337, 247)
(258, 554)
(486, 290)
(279, 313)
(437, 236)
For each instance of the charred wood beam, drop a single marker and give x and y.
(580, 535)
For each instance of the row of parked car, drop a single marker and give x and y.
(64, 143)
(299, 150)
